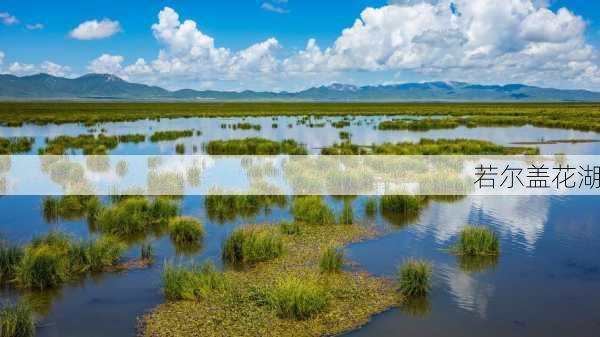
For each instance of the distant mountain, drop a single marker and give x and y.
(103, 86)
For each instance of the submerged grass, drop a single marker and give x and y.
(414, 278)
(17, 321)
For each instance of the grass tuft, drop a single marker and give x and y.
(10, 257)
(332, 260)
(290, 227)
(414, 277)
(251, 245)
(312, 210)
(191, 283)
(297, 298)
(17, 321)
(185, 230)
(477, 241)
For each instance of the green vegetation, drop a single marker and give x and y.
(332, 260)
(347, 215)
(249, 245)
(420, 124)
(402, 204)
(10, 257)
(371, 207)
(136, 216)
(290, 227)
(191, 283)
(70, 207)
(17, 321)
(15, 145)
(312, 210)
(180, 148)
(284, 296)
(160, 136)
(414, 277)
(430, 147)
(254, 146)
(225, 208)
(477, 241)
(147, 252)
(89, 144)
(297, 298)
(185, 230)
(53, 259)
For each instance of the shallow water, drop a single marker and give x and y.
(545, 283)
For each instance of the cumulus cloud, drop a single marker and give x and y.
(94, 29)
(107, 64)
(54, 69)
(21, 69)
(8, 19)
(1, 58)
(35, 26)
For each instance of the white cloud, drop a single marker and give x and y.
(106, 64)
(94, 29)
(54, 69)
(35, 26)
(21, 69)
(273, 8)
(1, 57)
(8, 19)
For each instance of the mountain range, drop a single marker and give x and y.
(111, 87)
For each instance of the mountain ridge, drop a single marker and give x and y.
(106, 86)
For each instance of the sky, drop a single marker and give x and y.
(290, 45)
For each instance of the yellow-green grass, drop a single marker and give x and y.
(254, 146)
(477, 241)
(414, 278)
(160, 136)
(185, 230)
(250, 245)
(312, 210)
(257, 302)
(17, 321)
(332, 260)
(15, 145)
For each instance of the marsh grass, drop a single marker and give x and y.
(185, 230)
(249, 245)
(477, 241)
(17, 321)
(332, 260)
(290, 227)
(15, 145)
(414, 278)
(223, 208)
(180, 148)
(10, 257)
(43, 266)
(136, 216)
(254, 146)
(89, 144)
(147, 252)
(402, 204)
(96, 255)
(70, 207)
(371, 207)
(347, 214)
(192, 282)
(312, 210)
(160, 136)
(296, 298)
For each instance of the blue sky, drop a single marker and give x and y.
(397, 41)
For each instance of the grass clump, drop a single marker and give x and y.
(290, 227)
(185, 230)
(297, 298)
(414, 277)
(402, 204)
(94, 256)
(371, 207)
(191, 283)
(228, 207)
(160, 136)
(250, 245)
(17, 321)
(180, 148)
(254, 146)
(70, 207)
(477, 241)
(332, 260)
(10, 257)
(312, 210)
(347, 215)
(136, 216)
(15, 145)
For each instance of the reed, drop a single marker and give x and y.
(414, 278)
(332, 260)
(477, 241)
(10, 257)
(17, 321)
(185, 230)
(246, 246)
(312, 210)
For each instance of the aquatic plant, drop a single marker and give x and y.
(10, 257)
(17, 321)
(147, 252)
(420, 124)
(312, 210)
(160, 136)
(332, 260)
(402, 204)
(191, 283)
(254, 146)
(450, 146)
(371, 207)
(185, 230)
(95, 255)
(70, 207)
(224, 208)
(43, 266)
(290, 227)
(477, 241)
(347, 214)
(250, 245)
(414, 278)
(297, 298)
(15, 145)
(135, 216)
(180, 148)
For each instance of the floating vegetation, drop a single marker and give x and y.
(161, 136)
(312, 210)
(285, 296)
(254, 146)
(223, 208)
(332, 260)
(477, 241)
(136, 216)
(250, 245)
(414, 278)
(191, 283)
(15, 145)
(17, 321)
(147, 252)
(185, 230)
(53, 259)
